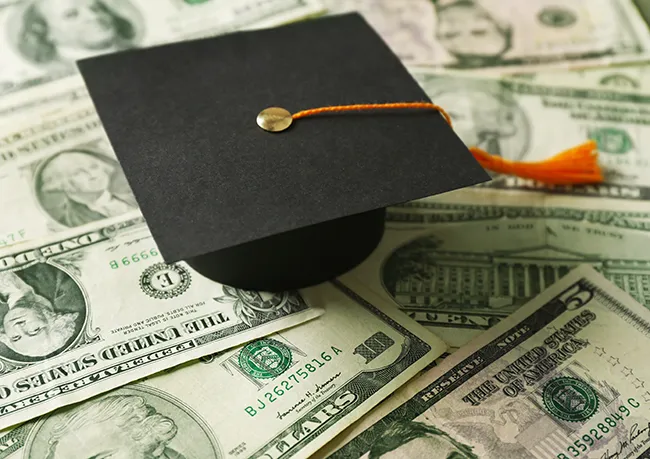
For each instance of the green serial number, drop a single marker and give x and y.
(133, 258)
(603, 428)
(296, 377)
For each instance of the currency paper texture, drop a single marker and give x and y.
(564, 377)
(529, 121)
(507, 36)
(622, 78)
(88, 311)
(461, 267)
(59, 173)
(282, 396)
(23, 108)
(44, 38)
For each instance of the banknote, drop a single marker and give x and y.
(564, 377)
(23, 108)
(89, 310)
(618, 78)
(529, 121)
(282, 396)
(460, 268)
(42, 39)
(59, 173)
(507, 36)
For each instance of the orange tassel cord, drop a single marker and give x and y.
(576, 166)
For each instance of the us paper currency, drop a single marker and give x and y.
(87, 311)
(42, 39)
(59, 173)
(282, 396)
(564, 377)
(507, 36)
(528, 121)
(622, 78)
(460, 268)
(24, 108)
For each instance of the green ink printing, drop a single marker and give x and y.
(570, 399)
(612, 140)
(586, 441)
(133, 258)
(270, 352)
(265, 358)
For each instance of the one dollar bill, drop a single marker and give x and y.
(59, 173)
(530, 121)
(563, 377)
(88, 311)
(283, 396)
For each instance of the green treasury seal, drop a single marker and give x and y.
(163, 281)
(570, 399)
(265, 358)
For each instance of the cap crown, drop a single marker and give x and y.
(182, 120)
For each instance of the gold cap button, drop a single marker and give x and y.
(274, 119)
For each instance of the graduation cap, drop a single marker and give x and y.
(267, 210)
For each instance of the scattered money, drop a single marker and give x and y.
(529, 121)
(88, 311)
(507, 36)
(281, 396)
(460, 268)
(563, 377)
(99, 338)
(43, 39)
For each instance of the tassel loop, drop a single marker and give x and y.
(576, 166)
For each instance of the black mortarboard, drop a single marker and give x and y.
(272, 211)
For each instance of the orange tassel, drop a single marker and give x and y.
(578, 165)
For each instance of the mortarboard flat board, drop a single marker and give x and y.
(272, 211)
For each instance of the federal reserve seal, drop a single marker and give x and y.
(570, 399)
(265, 358)
(612, 140)
(163, 281)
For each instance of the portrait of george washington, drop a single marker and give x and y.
(76, 187)
(42, 311)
